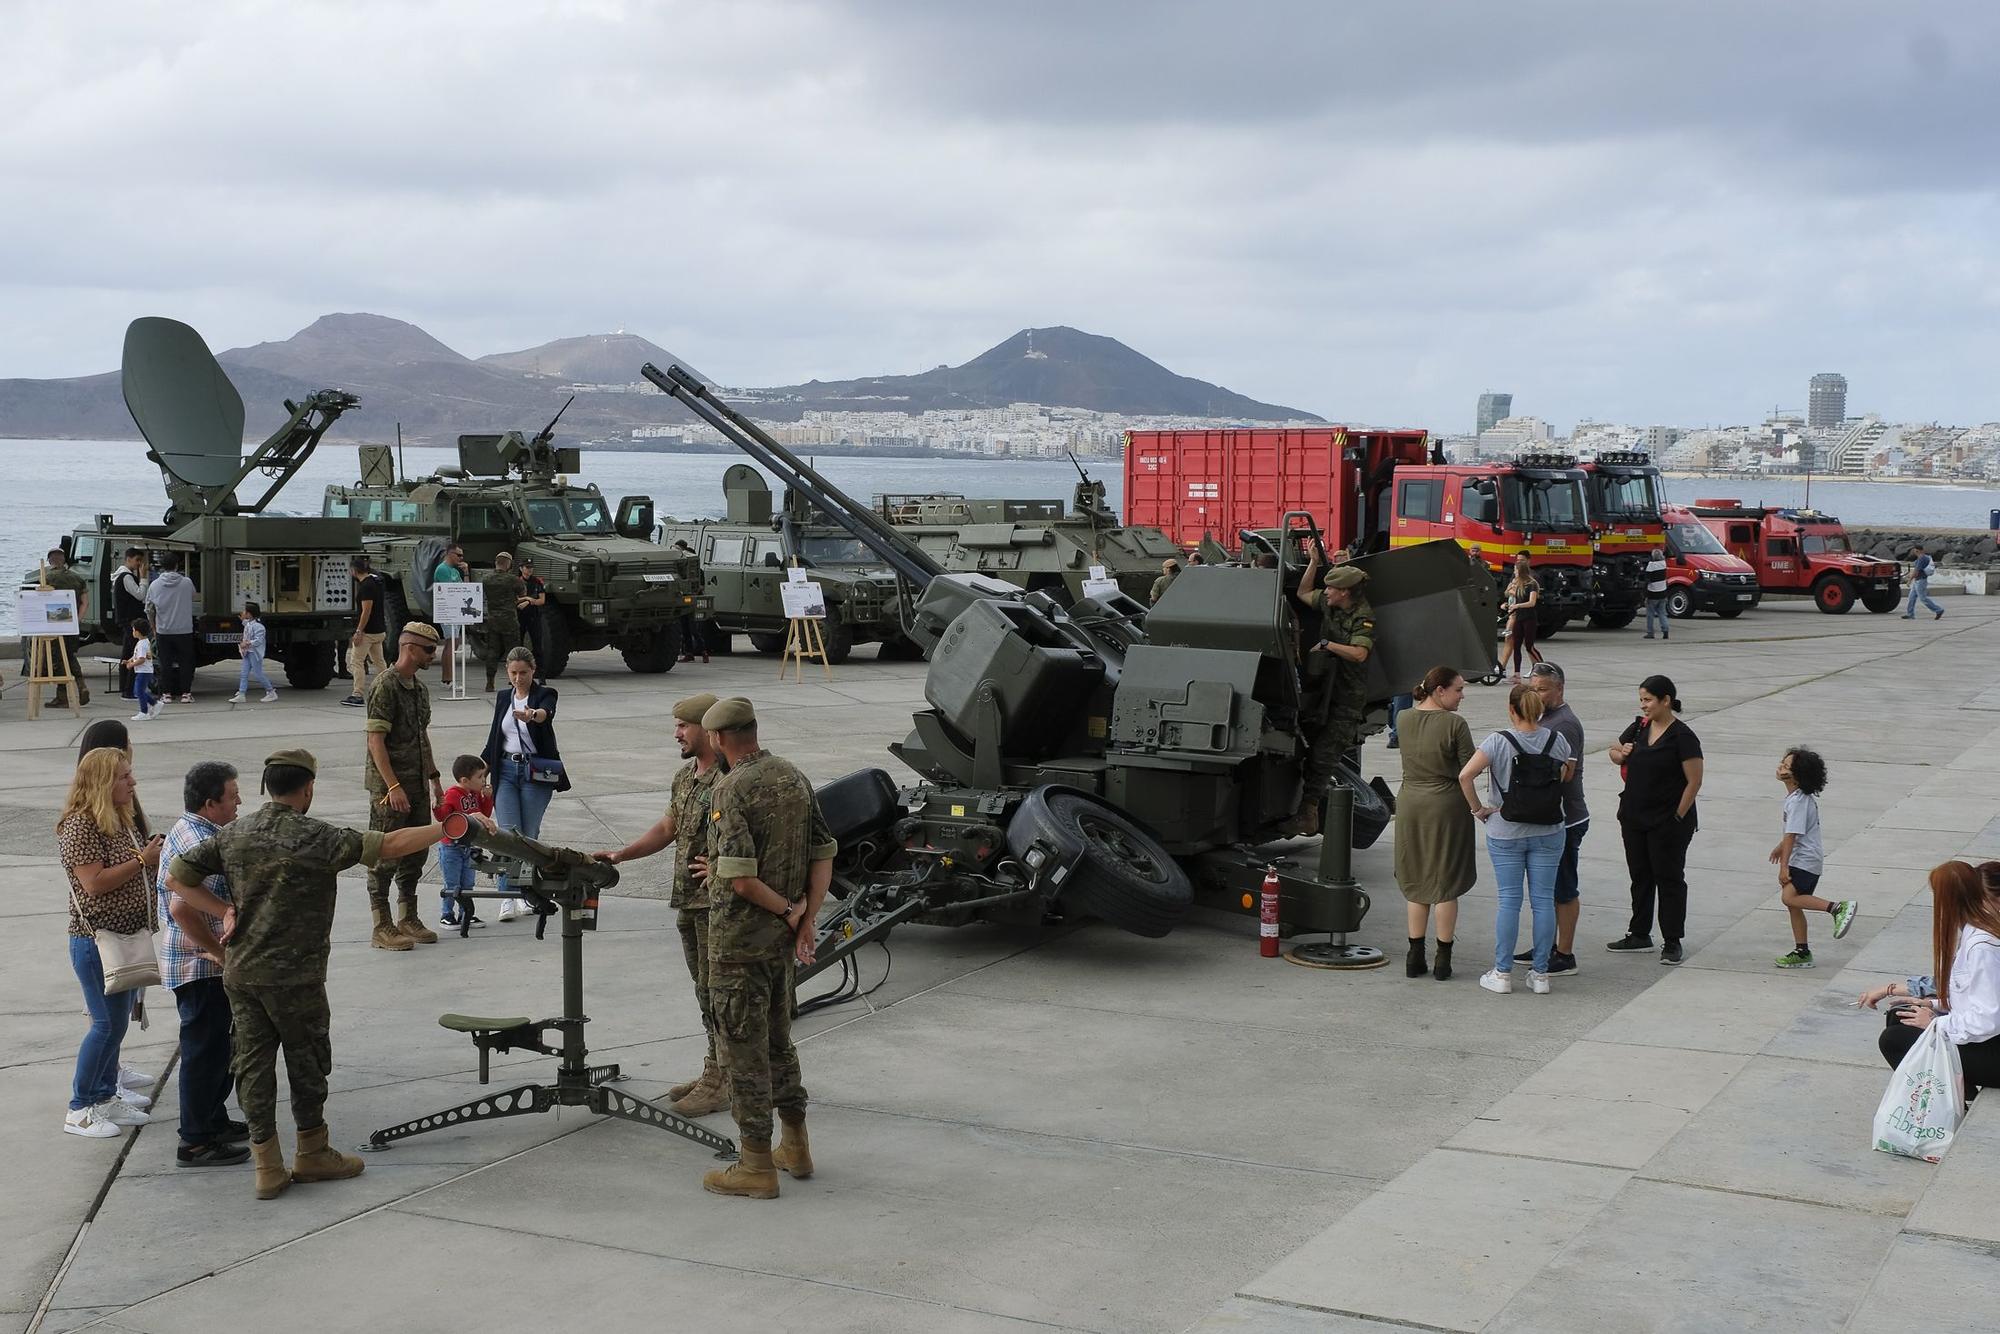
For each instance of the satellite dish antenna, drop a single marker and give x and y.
(183, 402)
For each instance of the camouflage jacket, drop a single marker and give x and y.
(402, 709)
(688, 804)
(764, 822)
(502, 587)
(1353, 624)
(74, 582)
(281, 867)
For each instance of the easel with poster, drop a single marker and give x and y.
(805, 608)
(47, 616)
(454, 606)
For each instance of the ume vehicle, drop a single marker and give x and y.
(1803, 551)
(1701, 574)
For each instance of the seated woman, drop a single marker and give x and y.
(1965, 998)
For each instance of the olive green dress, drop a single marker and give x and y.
(1436, 839)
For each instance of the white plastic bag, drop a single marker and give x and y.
(1920, 1112)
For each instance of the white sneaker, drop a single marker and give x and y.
(1495, 980)
(236, 698)
(84, 1121)
(134, 1098)
(142, 717)
(132, 1078)
(158, 704)
(510, 909)
(119, 1114)
(270, 697)
(1538, 982)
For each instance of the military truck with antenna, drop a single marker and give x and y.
(231, 548)
(608, 584)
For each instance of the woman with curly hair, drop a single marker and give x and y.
(1801, 856)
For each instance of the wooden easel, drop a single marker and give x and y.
(48, 665)
(803, 644)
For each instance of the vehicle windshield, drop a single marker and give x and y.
(837, 551)
(585, 515)
(1693, 539)
(1543, 504)
(1625, 495)
(1824, 544)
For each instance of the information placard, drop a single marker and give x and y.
(46, 612)
(804, 600)
(458, 603)
(1097, 586)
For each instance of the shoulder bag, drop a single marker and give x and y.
(130, 959)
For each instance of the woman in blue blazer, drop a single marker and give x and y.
(523, 730)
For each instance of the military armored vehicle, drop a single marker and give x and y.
(1104, 758)
(295, 569)
(1033, 544)
(744, 556)
(608, 584)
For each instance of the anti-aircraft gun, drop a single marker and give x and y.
(295, 569)
(1104, 758)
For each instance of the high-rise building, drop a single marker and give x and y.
(1492, 409)
(1826, 401)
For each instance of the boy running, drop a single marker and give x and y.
(1800, 856)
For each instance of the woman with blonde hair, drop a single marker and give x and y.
(1523, 594)
(1529, 766)
(1965, 951)
(110, 863)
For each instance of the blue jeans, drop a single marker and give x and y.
(1533, 860)
(1656, 610)
(252, 670)
(142, 690)
(456, 864)
(205, 1077)
(518, 805)
(97, 1059)
(1396, 705)
(1921, 588)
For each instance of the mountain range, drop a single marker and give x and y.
(409, 380)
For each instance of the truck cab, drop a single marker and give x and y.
(1701, 573)
(1802, 551)
(1622, 490)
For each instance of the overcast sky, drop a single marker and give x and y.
(1648, 213)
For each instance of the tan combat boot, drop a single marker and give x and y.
(385, 935)
(750, 1176)
(675, 1092)
(794, 1152)
(409, 924)
(272, 1178)
(316, 1160)
(710, 1094)
(1303, 825)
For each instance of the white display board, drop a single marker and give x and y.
(804, 600)
(458, 603)
(1097, 586)
(47, 612)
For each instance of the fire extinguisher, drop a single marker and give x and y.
(1267, 915)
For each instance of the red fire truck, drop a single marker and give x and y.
(1701, 574)
(1369, 490)
(1622, 489)
(1803, 551)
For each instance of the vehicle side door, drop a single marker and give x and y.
(1418, 511)
(763, 572)
(1781, 556)
(484, 527)
(722, 574)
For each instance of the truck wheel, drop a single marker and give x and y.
(395, 610)
(899, 648)
(769, 645)
(554, 657)
(1834, 595)
(1613, 620)
(720, 643)
(1118, 871)
(839, 639)
(1729, 613)
(1879, 600)
(657, 651)
(1680, 602)
(1549, 627)
(309, 666)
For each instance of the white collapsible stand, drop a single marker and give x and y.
(454, 606)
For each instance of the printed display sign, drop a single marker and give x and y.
(795, 574)
(458, 604)
(1097, 585)
(50, 612)
(804, 600)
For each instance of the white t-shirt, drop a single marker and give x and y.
(514, 731)
(1802, 822)
(142, 653)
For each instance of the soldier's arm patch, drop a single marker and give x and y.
(733, 868)
(370, 850)
(1363, 635)
(186, 868)
(376, 725)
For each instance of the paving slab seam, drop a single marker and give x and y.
(1334, 1310)
(1520, 1156)
(1679, 1184)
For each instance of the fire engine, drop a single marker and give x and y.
(1803, 551)
(1622, 490)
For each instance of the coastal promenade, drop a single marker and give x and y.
(1076, 1128)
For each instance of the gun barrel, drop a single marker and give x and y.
(898, 552)
(549, 863)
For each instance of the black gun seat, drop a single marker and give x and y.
(470, 1023)
(859, 803)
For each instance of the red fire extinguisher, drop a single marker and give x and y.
(1267, 915)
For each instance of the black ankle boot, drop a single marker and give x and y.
(1416, 967)
(1443, 969)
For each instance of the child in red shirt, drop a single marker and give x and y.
(470, 794)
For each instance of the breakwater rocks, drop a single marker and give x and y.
(1966, 548)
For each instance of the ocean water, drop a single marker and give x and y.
(52, 485)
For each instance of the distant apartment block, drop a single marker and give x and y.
(1826, 402)
(1493, 409)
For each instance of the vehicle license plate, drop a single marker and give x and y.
(657, 578)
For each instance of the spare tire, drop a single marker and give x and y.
(1105, 863)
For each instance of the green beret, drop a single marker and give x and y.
(1344, 576)
(297, 759)
(693, 708)
(423, 630)
(732, 712)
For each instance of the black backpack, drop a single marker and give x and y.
(1535, 796)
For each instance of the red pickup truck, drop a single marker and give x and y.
(1803, 551)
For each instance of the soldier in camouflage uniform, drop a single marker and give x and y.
(770, 863)
(398, 771)
(686, 825)
(501, 630)
(1170, 570)
(1347, 637)
(60, 575)
(281, 866)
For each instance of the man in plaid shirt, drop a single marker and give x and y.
(191, 965)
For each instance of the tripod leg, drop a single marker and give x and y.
(523, 1101)
(611, 1102)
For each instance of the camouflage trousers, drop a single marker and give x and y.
(694, 945)
(266, 1019)
(753, 1022)
(1335, 737)
(404, 871)
(491, 640)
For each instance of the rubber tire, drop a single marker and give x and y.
(395, 611)
(1614, 620)
(1880, 600)
(1373, 812)
(1140, 889)
(662, 649)
(1730, 613)
(721, 644)
(553, 655)
(839, 639)
(1549, 629)
(770, 645)
(1834, 595)
(309, 664)
(899, 648)
(1680, 602)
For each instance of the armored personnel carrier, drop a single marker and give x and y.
(295, 569)
(608, 584)
(744, 556)
(1104, 758)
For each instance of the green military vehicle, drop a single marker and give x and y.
(1033, 544)
(743, 561)
(295, 569)
(608, 584)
